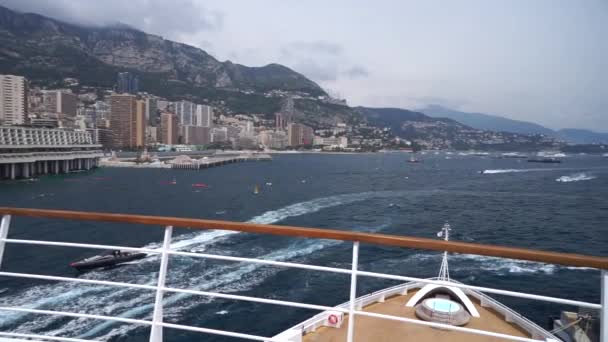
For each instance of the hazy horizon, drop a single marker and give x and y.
(543, 61)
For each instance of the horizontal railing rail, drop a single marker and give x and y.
(390, 240)
(567, 259)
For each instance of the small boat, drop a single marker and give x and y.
(544, 160)
(256, 189)
(107, 259)
(413, 160)
(199, 185)
(173, 182)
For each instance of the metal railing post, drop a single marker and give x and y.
(353, 293)
(604, 310)
(6, 221)
(156, 335)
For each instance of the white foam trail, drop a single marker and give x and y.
(77, 296)
(495, 171)
(465, 263)
(577, 177)
(490, 172)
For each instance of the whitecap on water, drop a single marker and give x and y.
(577, 177)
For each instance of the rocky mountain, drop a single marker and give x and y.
(499, 123)
(43, 48)
(442, 133)
(487, 121)
(582, 136)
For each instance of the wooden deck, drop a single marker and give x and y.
(371, 329)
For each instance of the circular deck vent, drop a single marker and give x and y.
(442, 310)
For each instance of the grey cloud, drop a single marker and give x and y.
(313, 47)
(317, 71)
(356, 72)
(320, 60)
(167, 18)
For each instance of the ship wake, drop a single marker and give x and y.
(132, 303)
(577, 177)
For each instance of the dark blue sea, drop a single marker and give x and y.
(558, 207)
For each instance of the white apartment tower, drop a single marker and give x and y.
(13, 103)
(203, 116)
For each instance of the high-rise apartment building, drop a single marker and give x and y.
(168, 128)
(299, 134)
(196, 135)
(127, 83)
(60, 102)
(151, 111)
(282, 120)
(203, 116)
(140, 123)
(185, 112)
(123, 120)
(13, 100)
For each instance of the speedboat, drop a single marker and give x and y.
(544, 160)
(107, 259)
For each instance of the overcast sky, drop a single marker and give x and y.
(544, 60)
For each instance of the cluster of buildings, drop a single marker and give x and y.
(126, 118)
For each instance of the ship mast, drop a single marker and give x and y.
(444, 272)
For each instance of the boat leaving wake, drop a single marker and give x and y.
(491, 172)
(134, 304)
(577, 177)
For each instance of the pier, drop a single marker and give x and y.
(184, 162)
(197, 164)
(29, 152)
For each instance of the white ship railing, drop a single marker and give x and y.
(353, 307)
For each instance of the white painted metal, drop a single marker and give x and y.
(83, 245)
(483, 289)
(604, 312)
(265, 262)
(156, 333)
(325, 269)
(6, 222)
(157, 324)
(444, 271)
(446, 326)
(353, 292)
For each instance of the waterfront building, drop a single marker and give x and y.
(168, 128)
(219, 134)
(299, 134)
(123, 120)
(13, 100)
(102, 136)
(273, 139)
(151, 135)
(195, 135)
(341, 142)
(26, 152)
